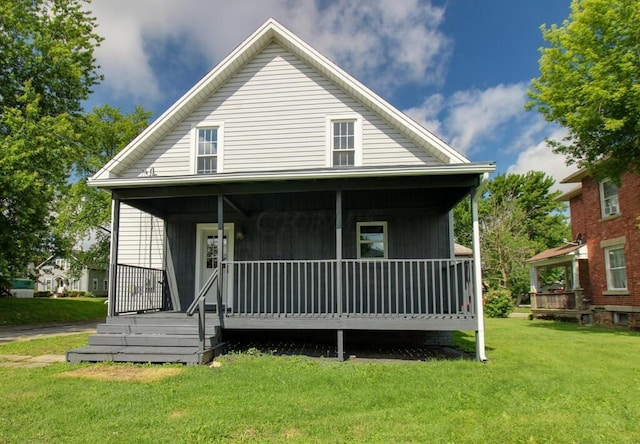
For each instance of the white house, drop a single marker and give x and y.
(281, 193)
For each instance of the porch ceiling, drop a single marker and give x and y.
(438, 192)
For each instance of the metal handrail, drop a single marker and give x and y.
(203, 292)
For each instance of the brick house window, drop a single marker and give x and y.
(616, 267)
(609, 199)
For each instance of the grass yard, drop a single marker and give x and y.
(545, 382)
(18, 311)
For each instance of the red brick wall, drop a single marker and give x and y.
(586, 218)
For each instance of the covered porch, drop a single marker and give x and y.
(555, 282)
(335, 253)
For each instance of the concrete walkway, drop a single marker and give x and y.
(19, 333)
(28, 332)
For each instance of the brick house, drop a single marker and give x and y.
(604, 264)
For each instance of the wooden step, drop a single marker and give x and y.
(150, 340)
(111, 353)
(155, 329)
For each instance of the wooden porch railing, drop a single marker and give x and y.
(555, 301)
(331, 288)
(140, 289)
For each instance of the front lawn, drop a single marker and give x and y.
(545, 382)
(18, 311)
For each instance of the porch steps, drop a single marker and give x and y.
(154, 338)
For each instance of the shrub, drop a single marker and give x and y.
(498, 303)
(41, 294)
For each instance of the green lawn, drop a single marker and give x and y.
(545, 382)
(17, 311)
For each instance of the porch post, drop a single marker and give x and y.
(533, 285)
(339, 270)
(477, 268)
(220, 257)
(113, 254)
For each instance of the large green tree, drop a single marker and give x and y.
(518, 217)
(84, 212)
(47, 69)
(590, 84)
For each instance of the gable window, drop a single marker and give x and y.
(344, 143)
(207, 151)
(609, 199)
(616, 267)
(372, 240)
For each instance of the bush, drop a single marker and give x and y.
(41, 294)
(498, 303)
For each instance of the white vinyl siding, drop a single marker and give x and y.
(141, 241)
(274, 112)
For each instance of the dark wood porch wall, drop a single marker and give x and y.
(286, 227)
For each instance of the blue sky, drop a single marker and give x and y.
(460, 67)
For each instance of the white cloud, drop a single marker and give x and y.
(386, 44)
(540, 157)
(468, 117)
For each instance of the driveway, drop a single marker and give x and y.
(28, 332)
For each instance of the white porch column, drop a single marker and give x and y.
(533, 285)
(477, 268)
(113, 255)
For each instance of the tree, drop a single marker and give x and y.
(518, 217)
(85, 212)
(589, 83)
(47, 69)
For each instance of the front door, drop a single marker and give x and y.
(207, 260)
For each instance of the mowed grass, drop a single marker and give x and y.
(545, 382)
(18, 311)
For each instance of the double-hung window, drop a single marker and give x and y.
(609, 199)
(616, 268)
(372, 240)
(207, 147)
(343, 146)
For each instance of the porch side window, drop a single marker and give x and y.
(207, 151)
(372, 240)
(609, 199)
(616, 267)
(343, 147)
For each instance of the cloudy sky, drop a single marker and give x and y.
(460, 67)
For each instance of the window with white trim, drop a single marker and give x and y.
(616, 267)
(207, 147)
(343, 143)
(95, 285)
(609, 199)
(105, 285)
(372, 240)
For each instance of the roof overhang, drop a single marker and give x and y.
(565, 197)
(299, 175)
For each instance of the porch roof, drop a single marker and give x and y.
(564, 253)
(298, 175)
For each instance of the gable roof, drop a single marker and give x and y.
(272, 31)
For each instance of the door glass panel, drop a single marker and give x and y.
(212, 251)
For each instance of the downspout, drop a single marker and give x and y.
(477, 268)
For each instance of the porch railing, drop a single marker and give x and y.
(140, 289)
(385, 288)
(555, 301)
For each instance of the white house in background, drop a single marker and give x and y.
(53, 276)
(281, 193)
